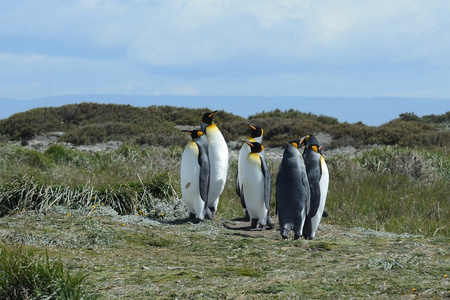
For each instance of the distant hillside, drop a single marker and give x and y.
(89, 123)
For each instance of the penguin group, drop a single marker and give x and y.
(301, 183)
(255, 136)
(301, 188)
(204, 167)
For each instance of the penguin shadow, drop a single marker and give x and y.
(189, 221)
(241, 227)
(183, 221)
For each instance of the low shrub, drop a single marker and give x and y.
(25, 275)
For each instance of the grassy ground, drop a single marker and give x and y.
(131, 257)
(387, 235)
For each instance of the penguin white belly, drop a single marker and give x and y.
(243, 153)
(324, 180)
(253, 186)
(323, 184)
(218, 160)
(190, 177)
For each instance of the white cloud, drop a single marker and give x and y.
(7, 57)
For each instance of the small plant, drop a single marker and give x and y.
(24, 275)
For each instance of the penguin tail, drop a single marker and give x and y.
(270, 223)
(209, 214)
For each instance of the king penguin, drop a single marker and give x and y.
(318, 178)
(257, 188)
(218, 160)
(194, 175)
(292, 191)
(256, 135)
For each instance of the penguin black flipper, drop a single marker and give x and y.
(276, 184)
(315, 194)
(267, 190)
(238, 188)
(203, 161)
(267, 183)
(239, 191)
(305, 183)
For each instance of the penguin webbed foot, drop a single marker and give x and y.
(246, 215)
(193, 219)
(259, 228)
(285, 233)
(253, 224)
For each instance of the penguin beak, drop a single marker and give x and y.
(302, 142)
(212, 114)
(251, 126)
(248, 143)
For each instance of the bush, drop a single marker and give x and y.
(90, 123)
(25, 275)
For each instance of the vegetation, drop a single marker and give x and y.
(90, 123)
(118, 217)
(393, 189)
(25, 275)
(132, 257)
(389, 188)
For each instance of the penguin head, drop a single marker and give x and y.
(208, 117)
(295, 143)
(257, 131)
(311, 142)
(194, 133)
(255, 147)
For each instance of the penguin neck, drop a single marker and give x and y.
(192, 145)
(211, 129)
(254, 157)
(204, 125)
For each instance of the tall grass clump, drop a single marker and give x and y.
(25, 275)
(392, 189)
(154, 194)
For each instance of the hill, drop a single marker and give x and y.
(90, 123)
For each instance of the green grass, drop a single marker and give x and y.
(117, 217)
(26, 275)
(144, 260)
(392, 189)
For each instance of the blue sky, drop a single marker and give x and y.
(284, 48)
